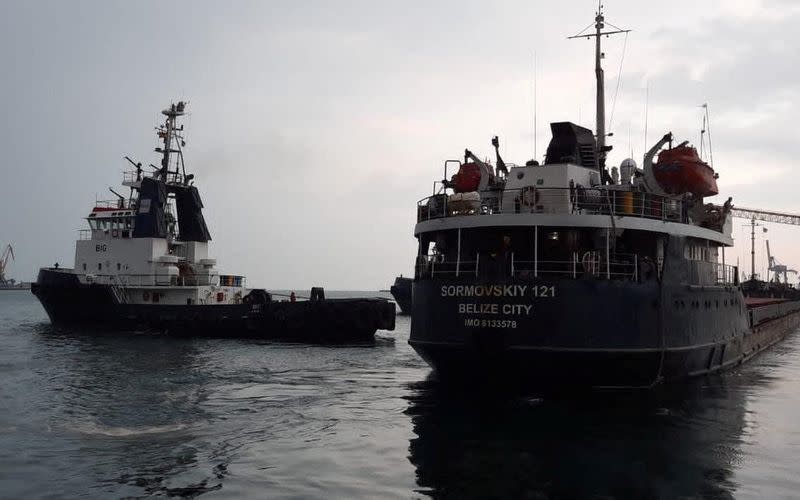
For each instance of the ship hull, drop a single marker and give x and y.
(579, 333)
(402, 293)
(69, 302)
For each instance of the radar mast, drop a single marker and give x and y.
(600, 130)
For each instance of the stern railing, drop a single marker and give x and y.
(592, 201)
(619, 266)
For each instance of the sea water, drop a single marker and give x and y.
(107, 415)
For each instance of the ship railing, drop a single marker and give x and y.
(712, 273)
(592, 201)
(155, 280)
(436, 265)
(618, 266)
(769, 312)
(131, 176)
(110, 204)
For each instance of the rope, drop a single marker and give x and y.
(619, 80)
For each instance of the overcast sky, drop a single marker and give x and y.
(316, 126)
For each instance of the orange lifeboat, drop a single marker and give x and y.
(467, 179)
(680, 170)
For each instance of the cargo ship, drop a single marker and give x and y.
(563, 274)
(144, 262)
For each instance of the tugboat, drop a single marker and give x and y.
(565, 275)
(144, 262)
(401, 291)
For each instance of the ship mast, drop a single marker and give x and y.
(167, 133)
(600, 130)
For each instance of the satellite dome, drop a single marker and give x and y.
(627, 163)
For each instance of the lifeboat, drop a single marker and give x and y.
(467, 179)
(680, 170)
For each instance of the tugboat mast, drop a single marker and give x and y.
(600, 129)
(167, 132)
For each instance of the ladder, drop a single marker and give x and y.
(120, 296)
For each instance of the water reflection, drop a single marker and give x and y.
(661, 445)
(136, 401)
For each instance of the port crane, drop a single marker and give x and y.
(765, 215)
(753, 215)
(774, 266)
(8, 254)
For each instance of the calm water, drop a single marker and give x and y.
(142, 415)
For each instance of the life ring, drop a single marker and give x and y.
(529, 196)
(114, 233)
(591, 262)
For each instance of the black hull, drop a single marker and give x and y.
(69, 302)
(403, 300)
(402, 293)
(587, 333)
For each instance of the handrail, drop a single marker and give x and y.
(712, 273)
(619, 266)
(157, 280)
(596, 201)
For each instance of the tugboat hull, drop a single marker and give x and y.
(67, 301)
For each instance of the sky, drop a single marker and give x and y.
(315, 127)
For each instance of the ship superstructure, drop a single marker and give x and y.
(563, 273)
(151, 247)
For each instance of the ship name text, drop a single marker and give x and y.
(484, 290)
(505, 309)
(497, 291)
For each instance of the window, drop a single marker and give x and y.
(99, 266)
(84, 266)
(119, 266)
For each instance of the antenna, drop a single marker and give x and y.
(702, 135)
(646, 111)
(630, 141)
(535, 102)
(707, 126)
(599, 25)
